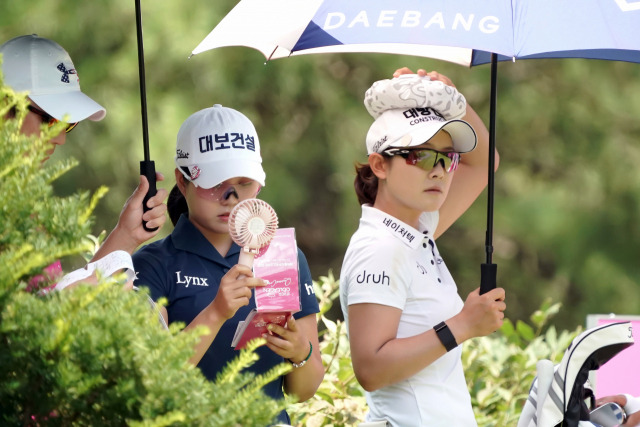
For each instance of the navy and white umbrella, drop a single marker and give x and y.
(466, 32)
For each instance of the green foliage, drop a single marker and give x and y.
(37, 227)
(499, 368)
(97, 356)
(94, 355)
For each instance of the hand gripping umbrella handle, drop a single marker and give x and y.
(148, 169)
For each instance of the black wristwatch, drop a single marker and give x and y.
(445, 336)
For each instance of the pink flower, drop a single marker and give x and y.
(44, 283)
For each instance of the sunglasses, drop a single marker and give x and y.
(426, 158)
(49, 120)
(224, 191)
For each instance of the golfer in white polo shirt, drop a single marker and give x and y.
(404, 316)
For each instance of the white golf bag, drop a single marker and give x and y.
(558, 393)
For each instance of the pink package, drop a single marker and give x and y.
(278, 266)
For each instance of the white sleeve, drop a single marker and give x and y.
(107, 266)
(378, 272)
(633, 404)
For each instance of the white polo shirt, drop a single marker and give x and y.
(391, 263)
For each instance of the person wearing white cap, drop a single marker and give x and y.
(44, 70)
(404, 316)
(218, 164)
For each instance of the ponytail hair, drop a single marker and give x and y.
(366, 184)
(176, 205)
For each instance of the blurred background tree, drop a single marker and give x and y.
(567, 192)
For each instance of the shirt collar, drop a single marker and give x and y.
(188, 238)
(402, 231)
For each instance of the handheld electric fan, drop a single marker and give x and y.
(252, 225)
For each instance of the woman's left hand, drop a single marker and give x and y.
(433, 75)
(288, 342)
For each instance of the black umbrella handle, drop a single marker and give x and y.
(488, 273)
(148, 169)
(147, 166)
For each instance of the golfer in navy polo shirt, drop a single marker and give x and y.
(196, 268)
(404, 316)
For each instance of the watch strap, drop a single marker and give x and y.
(446, 337)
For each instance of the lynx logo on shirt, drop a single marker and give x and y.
(190, 280)
(368, 278)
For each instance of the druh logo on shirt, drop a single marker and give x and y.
(368, 278)
(190, 280)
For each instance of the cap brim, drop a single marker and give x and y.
(70, 107)
(462, 135)
(213, 173)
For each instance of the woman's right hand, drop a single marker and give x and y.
(632, 408)
(235, 290)
(480, 316)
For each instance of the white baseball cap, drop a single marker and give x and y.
(217, 144)
(44, 69)
(408, 127)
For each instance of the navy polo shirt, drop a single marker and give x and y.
(186, 269)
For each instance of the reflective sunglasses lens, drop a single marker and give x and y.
(44, 117)
(49, 120)
(71, 126)
(225, 191)
(423, 159)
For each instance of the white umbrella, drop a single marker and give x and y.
(466, 32)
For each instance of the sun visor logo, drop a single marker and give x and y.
(194, 172)
(66, 72)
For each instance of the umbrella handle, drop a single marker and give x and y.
(488, 274)
(148, 169)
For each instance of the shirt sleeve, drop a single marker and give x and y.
(149, 274)
(378, 272)
(308, 300)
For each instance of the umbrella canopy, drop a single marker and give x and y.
(466, 32)
(460, 31)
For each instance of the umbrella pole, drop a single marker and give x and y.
(488, 270)
(147, 166)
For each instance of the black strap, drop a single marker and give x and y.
(446, 337)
